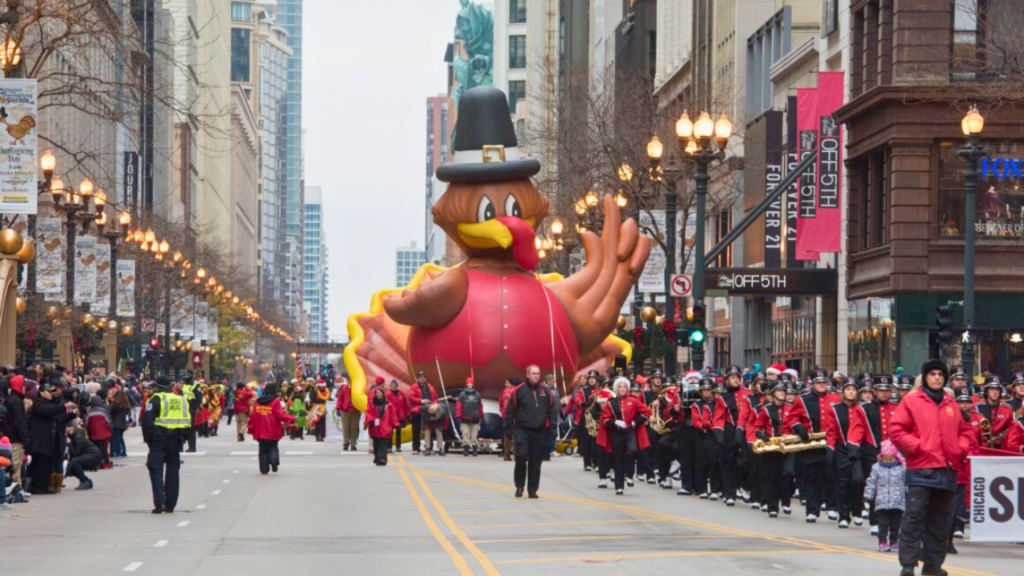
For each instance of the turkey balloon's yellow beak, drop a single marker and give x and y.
(488, 234)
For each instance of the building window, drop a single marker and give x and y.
(874, 195)
(516, 92)
(517, 51)
(829, 16)
(999, 210)
(517, 11)
(984, 37)
(241, 12)
(240, 50)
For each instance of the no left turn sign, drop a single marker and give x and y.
(681, 285)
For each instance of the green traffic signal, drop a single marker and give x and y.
(697, 336)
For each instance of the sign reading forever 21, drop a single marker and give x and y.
(784, 281)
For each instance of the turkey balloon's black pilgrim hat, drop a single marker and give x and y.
(486, 149)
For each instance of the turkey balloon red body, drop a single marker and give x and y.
(493, 315)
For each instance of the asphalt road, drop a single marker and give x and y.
(333, 512)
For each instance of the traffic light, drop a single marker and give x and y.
(944, 326)
(698, 334)
(154, 343)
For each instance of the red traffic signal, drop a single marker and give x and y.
(154, 343)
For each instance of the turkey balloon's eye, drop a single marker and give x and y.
(512, 207)
(485, 211)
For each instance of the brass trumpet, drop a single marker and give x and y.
(657, 424)
(789, 444)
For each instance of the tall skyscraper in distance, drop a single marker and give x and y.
(315, 273)
(289, 15)
(437, 154)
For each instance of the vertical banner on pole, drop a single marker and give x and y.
(18, 143)
(793, 194)
(807, 145)
(772, 176)
(50, 267)
(126, 288)
(101, 303)
(213, 326)
(202, 308)
(85, 269)
(820, 211)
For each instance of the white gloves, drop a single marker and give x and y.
(621, 424)
(376, 422)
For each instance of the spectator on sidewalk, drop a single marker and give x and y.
(15, 426)
(84, 455)
(99, 424)
(120, 415)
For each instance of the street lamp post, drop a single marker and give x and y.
(705, 142)
(76, 202)
(972, 125)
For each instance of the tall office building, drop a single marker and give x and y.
(289, 16)
(274, 54)
(437, 154)
(315, 274)
(408, 260)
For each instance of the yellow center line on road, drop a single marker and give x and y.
(521, 510)
(616, 557)
(577, 523)
(645, 537)
(481, 558)
(706, 525)
(479, 500)
(457, 558)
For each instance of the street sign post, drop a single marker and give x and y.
(681, 285)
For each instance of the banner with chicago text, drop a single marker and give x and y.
(995, 507)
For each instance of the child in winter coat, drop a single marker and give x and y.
(266, 424)
(886, 487)
(298, 408)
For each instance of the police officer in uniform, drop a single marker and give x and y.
(165, 423)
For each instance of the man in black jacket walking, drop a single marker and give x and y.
(531, 411)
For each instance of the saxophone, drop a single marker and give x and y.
(591, 424)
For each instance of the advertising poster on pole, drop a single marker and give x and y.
(101, 303)
(50, 267)
(126, 288)
(182, 314)
(652, 279)
(213, 326)
(85, 269)
(202, 309)
(18, 147)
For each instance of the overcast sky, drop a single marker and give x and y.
(367, 71)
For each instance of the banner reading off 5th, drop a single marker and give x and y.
(820, 214)
(18, 146)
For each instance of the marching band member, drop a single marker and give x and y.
(1017, 394)
(769, 424)
(963, 479)
(603, 460)
(958, 380)
(578, 404)
(663, 454)
(904, 386)
(707, 441)
(690, 439)
(752, 479)
(806, 418)
(622, 431)
(637, 462)
(999, 414)
(846, 430)
(879, 413)
(732, 443)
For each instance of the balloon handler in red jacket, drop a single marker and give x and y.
(266, 426)
(381, 419)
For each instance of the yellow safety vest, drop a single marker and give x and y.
(174, 413)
